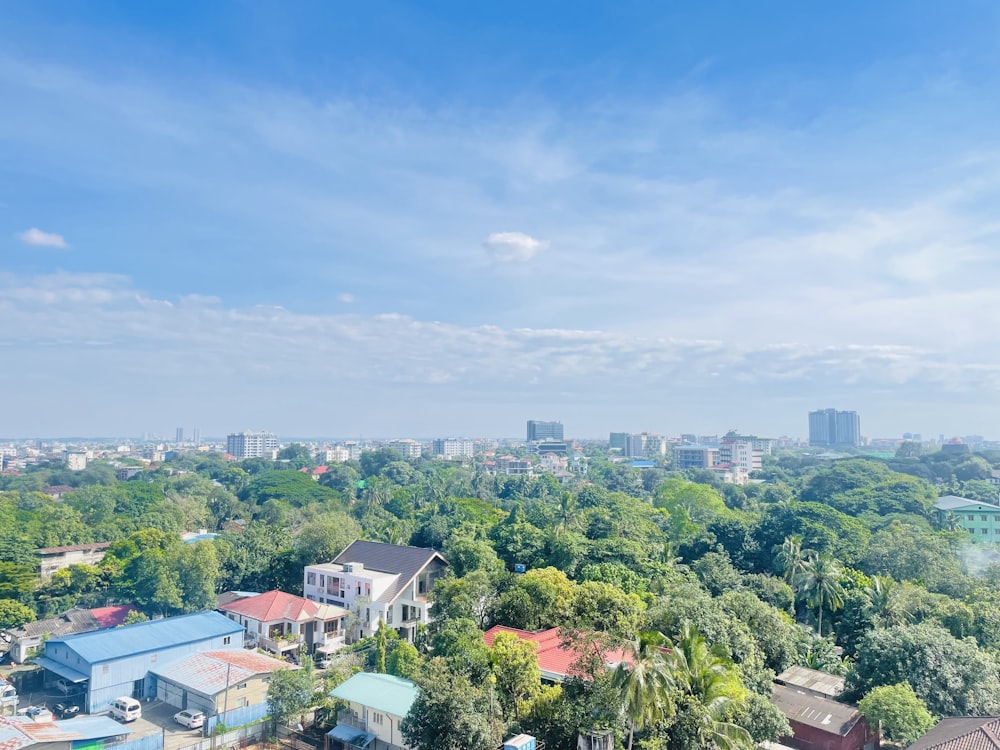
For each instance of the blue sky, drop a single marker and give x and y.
(447, 218)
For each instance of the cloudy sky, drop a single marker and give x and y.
(449, 217)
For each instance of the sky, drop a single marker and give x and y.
(446, 218)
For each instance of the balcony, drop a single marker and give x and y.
(281, 645)
(351, 719)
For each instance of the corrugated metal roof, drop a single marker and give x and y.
(383, 692)
(815, 711)
(407, 562)
(210, 672)
(824, 683)
(72, 730)
(954, 502)
(12, 736)
(143, 637)
(972, 733)
(73, 675)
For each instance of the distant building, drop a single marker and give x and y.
(695, 456)
(540, 431)
(405, 447)
(76, 460)
(31, 635)
(52, 559)
(829, 428)
(618, 441)
(243, 445)
(560, 447)
(741, 455)
(179, 437)
(450, 448)
(556, 657)
(124, 473)
(645, 445)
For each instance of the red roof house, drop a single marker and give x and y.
(555, 659)
(281, 622)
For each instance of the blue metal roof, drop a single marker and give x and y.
(383, 692)
(60, 669)
(143, 637)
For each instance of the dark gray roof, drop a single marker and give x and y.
(75, 620)
(815, 711)
(964, 733)
(812, 681)
(407, 562)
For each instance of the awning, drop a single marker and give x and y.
(329, 648)
(352, 736)
(60, 669)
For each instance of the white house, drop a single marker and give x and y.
(376, 704)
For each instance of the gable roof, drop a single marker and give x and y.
(155, 635)
(954, 502)
(112, 617)
(383, 692)
(812, 680)
(555, 660)
(406, 562)
(210, 672)
(815, 711)
(963, 733)
(280, 605)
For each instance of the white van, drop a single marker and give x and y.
(126, 709)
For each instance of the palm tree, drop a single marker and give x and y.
(887, 602)
(708, 682)
(821, 584)
(644, 684)
(792, 559)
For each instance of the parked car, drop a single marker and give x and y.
(190, 719)
(65, 710)
(37, 714)
(68, 688)
(324, 662)
(125, 709)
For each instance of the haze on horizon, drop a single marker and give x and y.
(448, 219)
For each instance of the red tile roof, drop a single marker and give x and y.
(112, 617)
(273, 605)
(555, 660)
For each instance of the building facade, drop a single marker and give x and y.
(376, 705)
(981, 520)
(407, 448)
(243, 445)
(695, 456)
(829, 428)
(280, 622)
(451, 448)
(539, 431)
(645, 445)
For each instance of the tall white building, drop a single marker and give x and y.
(645, 445)
(241, 445)
(406, 448)
(741, 455)
(453, 448)
(76, 460)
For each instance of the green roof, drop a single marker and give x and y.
(383, 692)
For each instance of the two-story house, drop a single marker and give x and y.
(376, 704)
(279, 622)
(378, 581)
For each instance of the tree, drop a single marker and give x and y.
(791, 559)
(198, 572)
(515, 668)
(644, 684)
(903, 717)
(450, 713)
(13, 614)
(404, 660)
(821, 584)
(289, 694)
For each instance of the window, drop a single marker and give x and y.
(310, 579)
(322, 580)
(972, 518)
(242, 703)
(104, 669)
(388, 615)
(984, 518)
(227, 640)
(330, 626)
(241, 686)
(376, 719)
(152, 659)
(984, 531)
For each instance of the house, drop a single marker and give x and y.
(228, 686)
(58, 490)
(378, 582)
(57, 558)
(981, 520)
(819, 723)
(962, 733)
(280, 622)
(376, 704)
(108, 664)
(27, 638)
(18, 733)
(556, 659)
(822, 684)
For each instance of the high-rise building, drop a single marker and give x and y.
(196, 437)
(241, 445)
(618, 441)
(645, 445)
(406, 447)
(453, 448)
(180, 436)
(829, 428)
(538, 431)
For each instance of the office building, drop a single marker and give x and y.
(829, 428)
(76, 460)
(696, 456)
(406, 448)
(645, 445)
(618, 441)
(741, 455)
(450, 448)
(538, 431)
(179, 436)
(241, 445)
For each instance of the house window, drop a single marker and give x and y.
(359, 588)
(984, 531)
(241, 686)
(310, 579)
(331, 625)
(984, 518)
(376, 719)
(152, 659)
(104, 669)
(972, 518)
(322, 580)
(227, 640)
(242, 703)
(388, 615)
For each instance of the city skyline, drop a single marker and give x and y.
(403, 220)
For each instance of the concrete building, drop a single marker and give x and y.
(539, 431)
(617, 441)
(377, 581)
(108, 664)
(741, 455)
(280, 622)
(52, 559)
(76, 460)
(829, 428)
(451, 448)
(695, 456)
(407, 448)
(645, 445)
(376, 704)
(981, 520)
(243, 445)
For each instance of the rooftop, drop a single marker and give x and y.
(93, 546)
(953, 502)
(555, 659)
(279, 605)
(210, 672)
(407, 562)
(964, 733)
(383, 692)
(812, 680)
(155, 635)
(815, 711)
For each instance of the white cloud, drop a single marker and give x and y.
(345, 297)
(37, 238)
(513, 246)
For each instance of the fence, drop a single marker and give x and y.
(231, 740)
(150, 742)
(237, 717)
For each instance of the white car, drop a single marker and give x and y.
(190, 719)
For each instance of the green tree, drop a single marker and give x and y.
(450, 713)
(791, 559)
(644, 684)
(902, 716)
(289, 694)
(13, 614)
(821, 585)
(197, 568)
(404, 660)
(515, 669)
